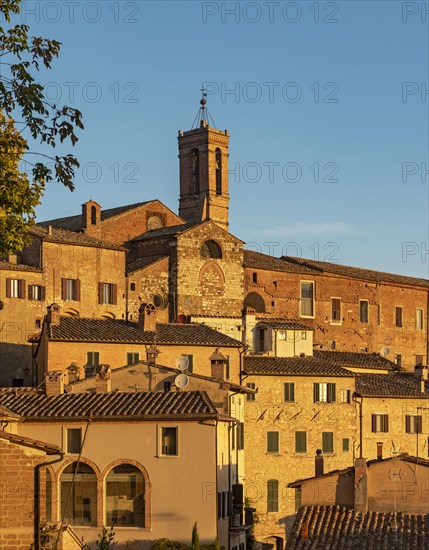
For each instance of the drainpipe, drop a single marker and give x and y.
(37, 545)
(360, 403)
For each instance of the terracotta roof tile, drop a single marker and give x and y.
(140, 263)
(284, 324)
(80, 329)
(299, 366)
(390, 385)
(70, 237)
(339, 528)
(256, 260)
(28, 442)
(144, 405)
(356, 359)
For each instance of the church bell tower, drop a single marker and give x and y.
(203, 154)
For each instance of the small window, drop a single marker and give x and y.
(38, 323)
(169, 442)
(327, 442)
(36, 293)
(378, 314)
(419, 319)
(107, 293)
(345, 396)
(398, 317)
(298, 498)
(132, 286)
(250, 396)
(15, 288)
(363, 311)
(300, 442)
(303, 335)
(190, 363)
(70, 290)
(346, 444)
(74, 439)
(93, 358)
(275, 285)
(307, 299)
(398, 359)
(335, 310)
(379, 423)
(272, 442)
(133, 358)
(272, 495)
(324, 392)
(419, 360)
(227, 368)
(218, 172)
(289, 391)
(254, 277)
(413, 424)
(282, 334)
(93, 215)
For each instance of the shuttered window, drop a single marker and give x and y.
(240, 436)
(300, 442)
(413, 424)
(36, 293)
(380, 423)
(289, 391)
(15, 288)
(107, 293)
(327, 442)
(70, 290)
(190, 363)
(250, 396)
(363, 311)
(346, 444)
(133, 358)
(335, 310)
(93, 358)
(398, 316)
(272, 495)
(272, 442)
(324, 392)
(419, 319)
(307, 299)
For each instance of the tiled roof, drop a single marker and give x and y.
(74, 223)
(28, 442)
(339, 528)
(70, 237)
(300, 366)
(355, 272)
(356, 359)
(256, 260)
(135, 265)
(390, 385)
(5, 413)
(403, 456)
(19, 267)
(164, 232)
(284, 324)
(78, 329)
(144, 405)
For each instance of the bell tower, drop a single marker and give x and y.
(203, 155)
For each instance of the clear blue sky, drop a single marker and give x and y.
(336, 103)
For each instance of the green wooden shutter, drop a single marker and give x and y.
(272, 442)
(272, 495)
(300, 442)
(316, 392)
(327, 442)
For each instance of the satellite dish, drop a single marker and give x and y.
(385, 351)
(181, 381)
(182, 363)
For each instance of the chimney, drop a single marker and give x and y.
(12, 258)
(379, 450)
(151, 355)
(218, 365)
(304, 531)
(147, 317)
(103, 382)
(421, 373)
(53, 316)
(54, 383)
(50, 230)
(319, 463)
(360, 486)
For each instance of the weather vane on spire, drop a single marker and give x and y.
(203, 117)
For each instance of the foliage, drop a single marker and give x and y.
(167, 544)
(195, 545)
(23, 103)
(48, 536)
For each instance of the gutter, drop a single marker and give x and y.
(37, 541)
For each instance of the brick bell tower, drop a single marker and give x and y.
(203, 154)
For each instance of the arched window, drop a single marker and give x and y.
(93, 215)
(210, 249)
(79, 494)
(195, 172)
(255, 301)
(218, 172)
(255, 277)
(272, 495)
(125, 497)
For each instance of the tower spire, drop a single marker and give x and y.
(203, 117)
